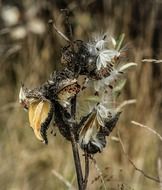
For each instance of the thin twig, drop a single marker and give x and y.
(58, 31)
(99, 172)
(61, 178)
(113, 138)
(86, 170)
(127, 102)
(66, 13)
(148, 128)
(152, 60)
(132, 163)
(70, 33)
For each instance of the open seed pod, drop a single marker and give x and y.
(94, 129)
(40, 110)
(77, 57)
(40, 115)
(62, 86)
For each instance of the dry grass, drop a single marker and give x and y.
(26, 164)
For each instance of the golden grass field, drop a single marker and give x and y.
(30, 51)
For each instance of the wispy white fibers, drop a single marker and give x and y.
(100, 47)
(105, 57)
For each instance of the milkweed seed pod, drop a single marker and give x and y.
(94, 128)
(62, 86)
(98, 59)
(40, 111)
(111, 62)
(111, 65)
(40, 103)
(77, 58)
(63, 120)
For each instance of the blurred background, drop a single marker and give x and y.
(30, 51)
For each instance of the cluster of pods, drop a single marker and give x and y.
(93, 73)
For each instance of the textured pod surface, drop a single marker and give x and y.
(63, 121)
(78, 58)
(61, 87)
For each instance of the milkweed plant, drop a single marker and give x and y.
(81, 98)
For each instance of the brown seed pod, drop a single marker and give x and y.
(92, 136)
(40, 111)
(61, 87)
(77, 58)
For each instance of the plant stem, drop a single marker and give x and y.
(73, 108)
(86, 170)
(81, 183)
(77, 162)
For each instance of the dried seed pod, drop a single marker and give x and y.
(62, 86)
(40, 115)
(63, 120)
(40, 111)
(77, 58)
(88, 134)
(64, 95)
(110, 124)
(93, 59)
(92, 135)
